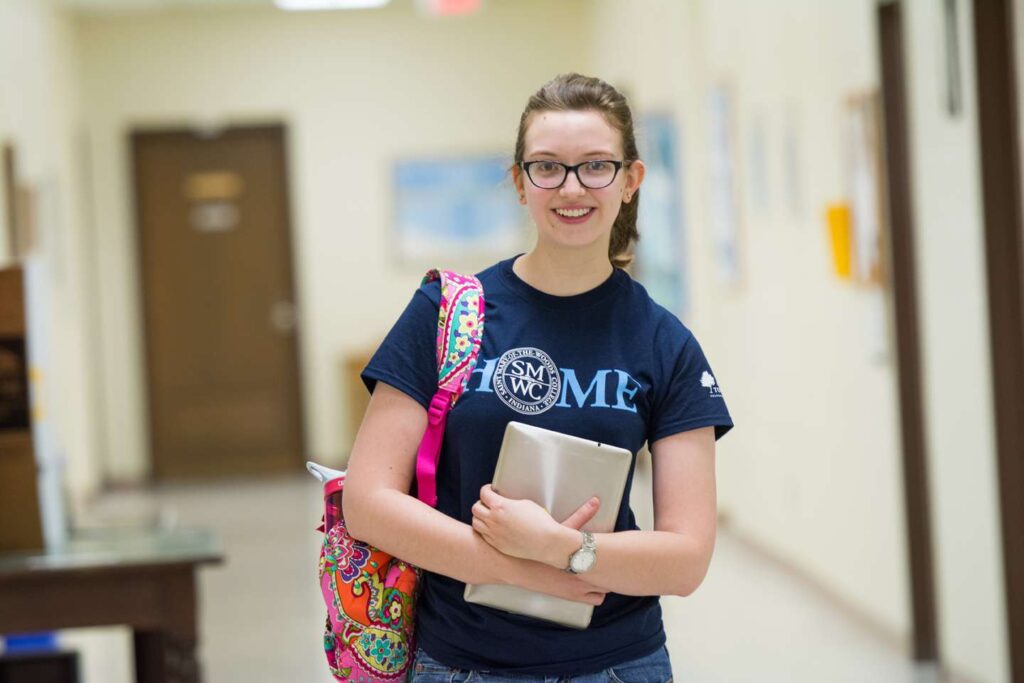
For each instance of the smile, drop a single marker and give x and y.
(573, 213)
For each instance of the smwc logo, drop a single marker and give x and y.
(527, 381)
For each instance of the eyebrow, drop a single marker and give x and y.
(604, 154)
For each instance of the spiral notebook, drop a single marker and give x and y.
(559, 472)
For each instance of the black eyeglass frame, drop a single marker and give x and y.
(525, 165)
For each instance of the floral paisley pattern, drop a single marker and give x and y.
(459, 329)
(371, 595)
(394, 608)
(468, 323)
(344, 554)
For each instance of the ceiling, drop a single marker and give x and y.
(142, 5)
(119, 6)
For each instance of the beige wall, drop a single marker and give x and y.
(812, 471)
(358, 90)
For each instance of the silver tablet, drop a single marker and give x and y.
(559, 472)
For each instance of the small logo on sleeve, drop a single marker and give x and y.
(708, 381)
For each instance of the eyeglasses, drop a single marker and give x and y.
(593, 175)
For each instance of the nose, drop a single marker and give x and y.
(572, 186)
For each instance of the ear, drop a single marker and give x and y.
(517, 178)
(634, 176)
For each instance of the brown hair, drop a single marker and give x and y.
(574, 92)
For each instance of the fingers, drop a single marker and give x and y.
(585, 592)
(480, 527)
(480, 515)
(487, 496)
(583, 514)
(591, 595)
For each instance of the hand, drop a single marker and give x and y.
(560, 584)
(523, 529)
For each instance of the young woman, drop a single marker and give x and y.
(606, 363)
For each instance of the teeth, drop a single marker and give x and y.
(572, 213)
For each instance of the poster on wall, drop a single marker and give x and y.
(50, 459)
(725, 221)
(865, 187)
(465, 206)
(660, 253)
(791, 167)
(757, 165)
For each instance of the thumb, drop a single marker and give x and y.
(583, 514)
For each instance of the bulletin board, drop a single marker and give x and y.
(660, 257)
(465, 206)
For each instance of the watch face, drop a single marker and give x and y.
(582, 560)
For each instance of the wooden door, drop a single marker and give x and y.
(220, 321)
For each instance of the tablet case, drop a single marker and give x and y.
(559, 472)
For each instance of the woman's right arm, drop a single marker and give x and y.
(379, 510)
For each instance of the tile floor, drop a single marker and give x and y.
(261, 611)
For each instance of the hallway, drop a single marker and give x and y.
(261, 610)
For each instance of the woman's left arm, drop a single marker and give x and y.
(671, 560)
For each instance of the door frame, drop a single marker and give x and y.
(899, 173)
(999, 152)
(274, 130)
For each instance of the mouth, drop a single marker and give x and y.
(574, 214)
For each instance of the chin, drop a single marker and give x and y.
(586, 243)
(582, 237)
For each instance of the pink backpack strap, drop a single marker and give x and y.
(460, 326)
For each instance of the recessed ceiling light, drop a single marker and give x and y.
(303, 5)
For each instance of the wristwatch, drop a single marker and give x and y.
(583, 559)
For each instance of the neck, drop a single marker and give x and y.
(563, 273)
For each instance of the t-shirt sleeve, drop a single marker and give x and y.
(407, 358)
(689, 396)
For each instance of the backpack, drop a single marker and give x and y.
(371, 595)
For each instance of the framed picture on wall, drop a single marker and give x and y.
(660, 251)
(792, 166)
(724, 177)
(464, 206)
(866, 187)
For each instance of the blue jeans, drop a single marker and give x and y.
(653, 668)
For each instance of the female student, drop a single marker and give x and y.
(571, 343)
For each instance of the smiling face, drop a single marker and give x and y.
(573, 216)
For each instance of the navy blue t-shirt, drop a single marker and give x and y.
(608, 365)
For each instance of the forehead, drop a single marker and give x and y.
(571, 134)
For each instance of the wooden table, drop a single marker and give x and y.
(146, 581)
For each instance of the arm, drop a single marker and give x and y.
(671, 560)
(379, 510)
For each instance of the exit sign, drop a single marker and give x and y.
(448, 8)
